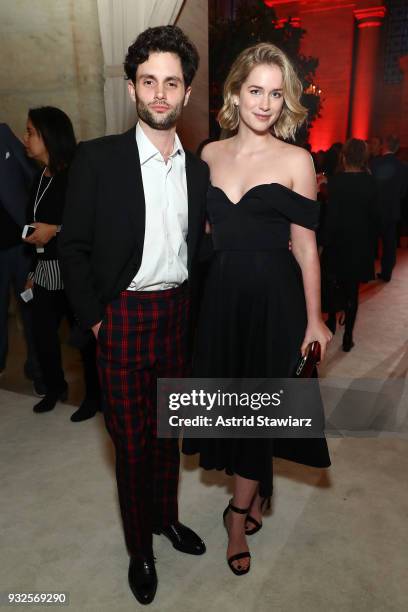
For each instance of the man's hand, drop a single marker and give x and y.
(29, 284)
(43, 234)
(95, 329)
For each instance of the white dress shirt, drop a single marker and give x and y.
(164, 260)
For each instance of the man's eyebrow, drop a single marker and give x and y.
(151, 76)
(146, 76)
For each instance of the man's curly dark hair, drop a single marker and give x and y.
(162, 39)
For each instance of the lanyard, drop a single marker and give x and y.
(38, 199)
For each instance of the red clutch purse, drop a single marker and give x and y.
(307, 364)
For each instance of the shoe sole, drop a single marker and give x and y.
(189, 552)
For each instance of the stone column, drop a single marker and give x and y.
(369, 22)
(193, 125)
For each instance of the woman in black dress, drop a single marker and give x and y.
(50, 140)
(349, 233)
(257, 315)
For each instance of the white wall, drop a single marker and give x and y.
(50, 53)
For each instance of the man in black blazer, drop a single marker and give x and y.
(16, 174)
(391, 175)
(129, 244)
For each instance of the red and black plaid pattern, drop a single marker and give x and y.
(143, 337)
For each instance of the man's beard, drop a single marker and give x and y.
(166, 122)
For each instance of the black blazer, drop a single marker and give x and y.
(102, 237)
(391, 175)
(16, 175)
(350, 226)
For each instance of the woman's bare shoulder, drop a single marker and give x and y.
(213, 149)
(298, 167)
(294, 152)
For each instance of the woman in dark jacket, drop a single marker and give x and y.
(348, 235)
(50, 140)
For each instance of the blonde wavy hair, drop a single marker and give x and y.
(293, 114)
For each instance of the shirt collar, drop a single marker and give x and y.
(147, 150)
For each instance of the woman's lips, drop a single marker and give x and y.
(262, 117)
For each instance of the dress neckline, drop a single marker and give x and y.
(273, 184)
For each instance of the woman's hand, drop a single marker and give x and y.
(317, 331)
(43, 234)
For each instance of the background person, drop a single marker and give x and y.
(348, 234)
(16, 175)
(391, 175)
(50, 140)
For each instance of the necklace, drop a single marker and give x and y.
(38, 199)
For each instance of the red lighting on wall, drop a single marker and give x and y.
(403, 63)
(370, 17)
(273, 3)
(369, 24)
(330, 25)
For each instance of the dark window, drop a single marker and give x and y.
(396, 40)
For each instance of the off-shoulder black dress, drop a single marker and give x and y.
(253, 318)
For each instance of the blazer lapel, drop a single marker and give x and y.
(131, 184)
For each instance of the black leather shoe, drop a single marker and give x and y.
(87, 410)
(142, 579)
(51, 398)
(184, 539)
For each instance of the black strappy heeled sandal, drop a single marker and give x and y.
(242, 555)
(266, 501)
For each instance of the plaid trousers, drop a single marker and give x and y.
(143, 336)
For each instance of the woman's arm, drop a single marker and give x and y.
(304, 249)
